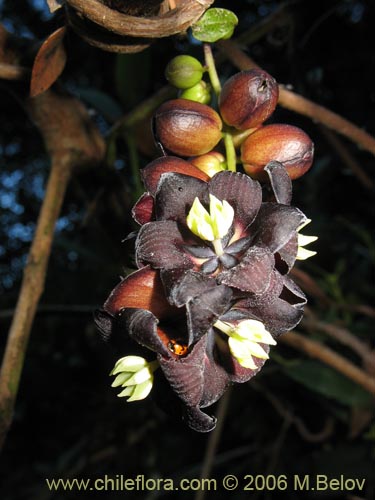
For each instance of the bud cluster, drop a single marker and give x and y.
(189, 127)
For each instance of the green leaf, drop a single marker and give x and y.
(328, 382)
(214, 25)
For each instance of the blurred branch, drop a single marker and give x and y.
(13, 71)
(311, 287)
(346, 157)
(72, 141)
(301, 105)
(213, 442)
(329, 357)
(343, 335)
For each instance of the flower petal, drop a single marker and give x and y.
(143, 210)
(121, 379)
(286, 255)
(240, 191)
(160, 244)
(141, 391)
(280, 182)
(252, 274)
(199, 421)
(284, 313)
(129, 364)
(185, 375)
(175, 196)
(276, 224)
(142, 327)
(153, 171)
(141, 289)
(205, 301)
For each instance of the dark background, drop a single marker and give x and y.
(68, 421)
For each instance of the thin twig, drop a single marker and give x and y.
(347, 158)
(329, 357)
(213, 442)
(344, 336)
(301, 105)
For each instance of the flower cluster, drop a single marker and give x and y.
(212, 291)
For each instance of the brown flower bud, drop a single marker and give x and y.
(187, 128)
(209, 163)
(284, 143)
(248, 99)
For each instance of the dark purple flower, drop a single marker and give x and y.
(259, 246)
(212, 292)
(198, 374)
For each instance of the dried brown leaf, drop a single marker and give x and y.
(49, 63)
(54, 5)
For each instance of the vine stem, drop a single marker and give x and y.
(230, 152)
(211, 67)
(31, 290)
(72, 141)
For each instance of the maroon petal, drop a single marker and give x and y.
(104, 323)
(240, 191)
(160, 244)
(198, 420)
(142, 211)
(142, 327)
(204, 310)
(286, 255)
(153, 171)
(273, 291)
(142, 289)
(204, 299)
(252, 274)
(198, 381)
(276, 224)
(284, 313)
(175, 196)
(185, 374)
(280, 182)
(240, 374)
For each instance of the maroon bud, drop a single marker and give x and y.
(187, 128)
(248, 99)
(279, 142)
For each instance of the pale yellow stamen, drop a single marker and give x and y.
(303, 240)
(135, 374)
(212, 225)
(245, 339)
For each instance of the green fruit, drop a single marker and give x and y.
(198, 93)
(184, 72)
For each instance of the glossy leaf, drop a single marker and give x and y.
(214, 25)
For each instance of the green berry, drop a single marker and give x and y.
(198, 93)
(184, 72)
